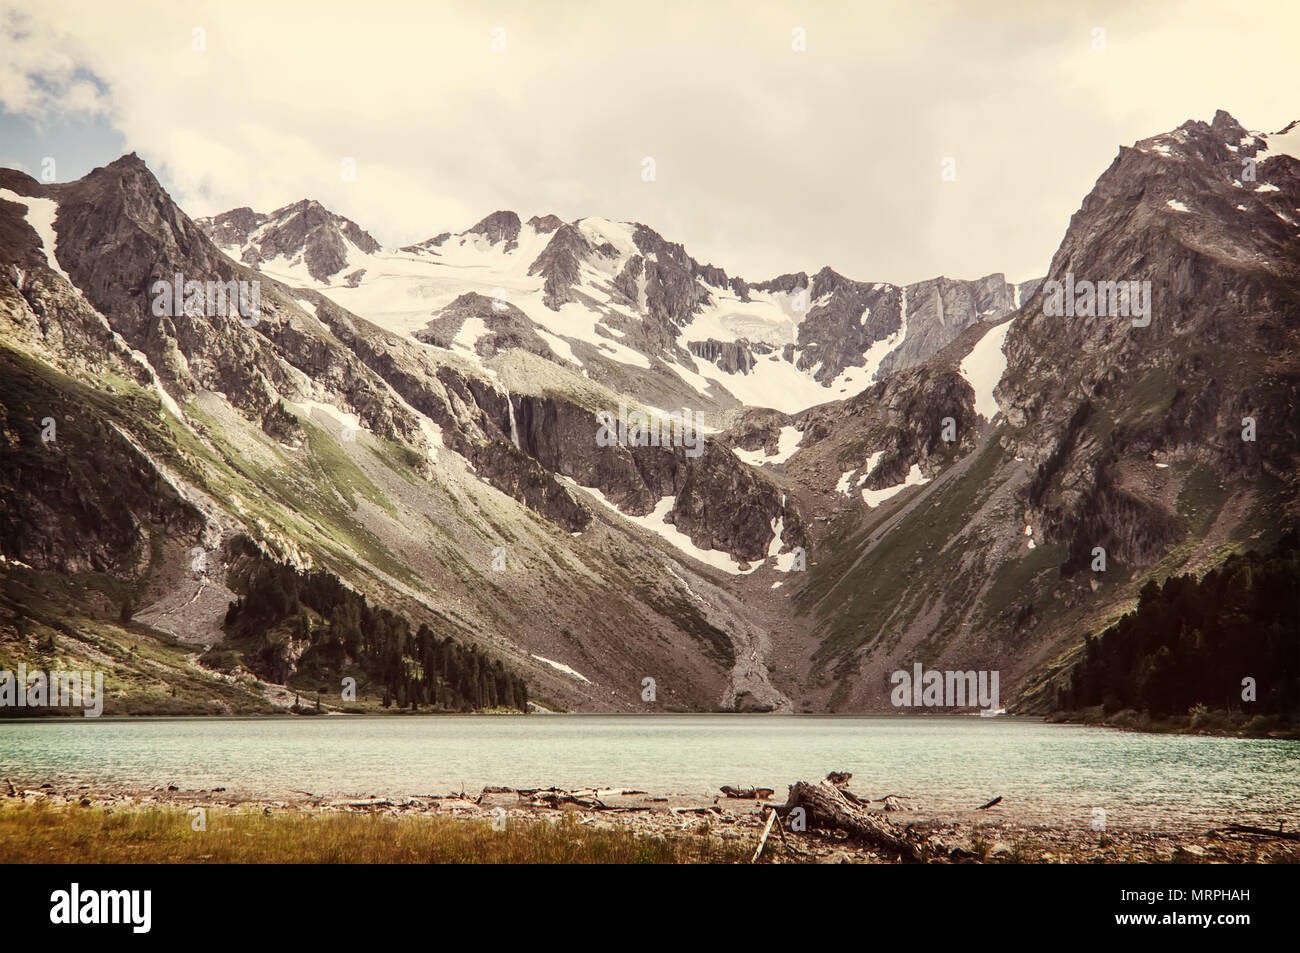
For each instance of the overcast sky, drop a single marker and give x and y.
(767, 158)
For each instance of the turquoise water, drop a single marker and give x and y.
(1054, 773)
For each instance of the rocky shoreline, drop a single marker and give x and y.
(993, 837)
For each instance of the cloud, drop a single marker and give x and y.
(767, 159)
(39, 75)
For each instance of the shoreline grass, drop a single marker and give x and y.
(42, 834)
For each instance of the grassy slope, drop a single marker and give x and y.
(43, 834)
(55, 627)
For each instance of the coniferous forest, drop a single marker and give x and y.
(281, 608)
(1193, 642)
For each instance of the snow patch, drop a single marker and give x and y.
(983, 368)
(1282, 143)
(561, 667)
(654, 521)
(874, 498)
(40, 216)
(787, 443)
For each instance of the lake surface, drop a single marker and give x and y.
(1050, 773)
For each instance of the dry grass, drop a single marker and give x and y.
(40, 833)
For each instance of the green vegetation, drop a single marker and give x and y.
(40, 833)
(297, 495)
(859, 605)
(57, 622)
(1189, 644)
(281, 609)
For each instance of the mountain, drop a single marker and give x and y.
(883, 474)
(1130, 443)
(333, 447)
(303, 240)
(621, 304)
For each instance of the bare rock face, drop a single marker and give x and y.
(234, 227)
(786, 284)
(672, 292)
(844, 319)
(514, 472)
(545, 224)
(901, 419)
(743, 525)
(940, 309)
(120, 233)
(502, 226)
(429, 245)
(80, 496)
(734, 357)
(1088, 391)
(561, 436)
(507, 327)
(305, 230)
(560, 263)
(757, 429)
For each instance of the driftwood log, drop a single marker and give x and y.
(762, 841)
(1262, 831)
(829, 805)
(750, 794)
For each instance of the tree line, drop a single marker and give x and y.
(1192, 642)
(280, 608)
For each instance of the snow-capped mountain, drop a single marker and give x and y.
(300, 242)
(882, 473)
(620, 304)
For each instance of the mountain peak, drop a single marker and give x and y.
(131, 160)
(1226, 127)
(545, 224)
(501, 226)
(303, 233)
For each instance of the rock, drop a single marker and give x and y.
(837, 857)
(502, 226)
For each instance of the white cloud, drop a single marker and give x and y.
(768, 160)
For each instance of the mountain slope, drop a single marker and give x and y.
(624, 306)
(282, 432)
(880, 475)
(1117, 454)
